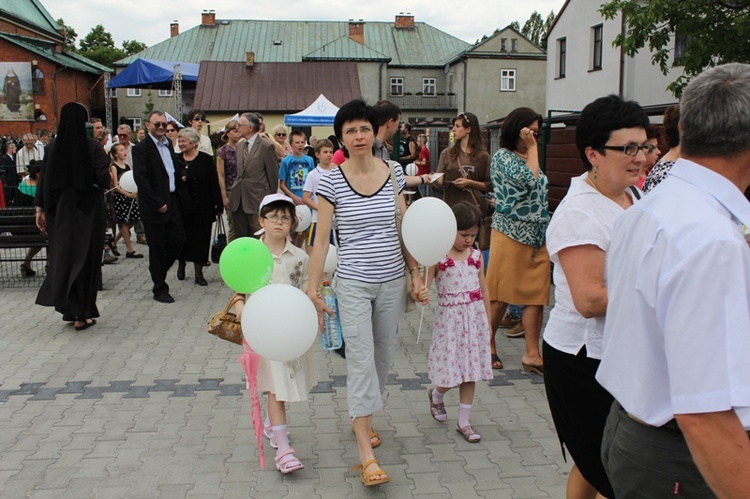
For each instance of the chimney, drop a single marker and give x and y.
(174, 28)
(249, 60)
(357, 31)
(404, 21)
(208, 18)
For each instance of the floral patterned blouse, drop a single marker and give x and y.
(659, 172)
(229, 155)
(521, 211)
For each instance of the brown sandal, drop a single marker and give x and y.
(469, 434)
(497, 364)
(367, 478)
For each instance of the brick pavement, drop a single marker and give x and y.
(147, 404)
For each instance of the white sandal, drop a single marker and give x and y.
(287, 462)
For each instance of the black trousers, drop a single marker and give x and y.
(245, 224)
(646, 462)
(164, 245)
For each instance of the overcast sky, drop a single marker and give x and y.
(148, 22)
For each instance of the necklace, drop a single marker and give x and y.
(188, 162)
(622, 205)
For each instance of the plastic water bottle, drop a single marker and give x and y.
(331, 338)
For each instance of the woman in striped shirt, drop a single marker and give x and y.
(370, 272)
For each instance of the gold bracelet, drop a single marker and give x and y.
(414, 268)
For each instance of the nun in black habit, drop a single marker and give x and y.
(70, 209)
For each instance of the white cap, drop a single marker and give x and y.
(272, 198)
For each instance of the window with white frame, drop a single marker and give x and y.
(165, 93)
(137, 123)
(562, 52)
(514, 44)
(429, 87)
(397, 86)
(507, 80)
(112, 93)
(596, 47)
(134, 92)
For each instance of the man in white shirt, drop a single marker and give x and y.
(28, 152)
(677, 331)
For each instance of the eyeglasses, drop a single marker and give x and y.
(363, 130)
(159, 124)
(198, 118)
(125, 134)
(536, 133)
(284, 219)
(280, 135)
(631, 149)
(171, 130)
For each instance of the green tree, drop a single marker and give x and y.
(707, 33)
(133, 47)
(149, 106)
(515, 26)
(99, 46)
(70, 36)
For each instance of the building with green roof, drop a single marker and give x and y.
(33, 46)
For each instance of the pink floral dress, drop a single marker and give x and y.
(460, 350)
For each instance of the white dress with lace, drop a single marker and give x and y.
(583, 217)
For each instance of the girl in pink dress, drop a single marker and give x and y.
(460, 351)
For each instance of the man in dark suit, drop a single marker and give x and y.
(257, 176)
(161, 197)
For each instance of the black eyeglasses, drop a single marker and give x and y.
(198, 118)
(631, 149)
(160, 124)
(281, 135)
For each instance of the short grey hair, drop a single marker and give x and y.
(253, 120)
(191, 134)
(126, 128)
(714, 117)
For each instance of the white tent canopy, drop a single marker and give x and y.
(319, 113)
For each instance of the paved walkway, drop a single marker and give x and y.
(147, 404)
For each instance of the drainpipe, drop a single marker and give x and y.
(621, 83)
(54, 93)
(463, 109)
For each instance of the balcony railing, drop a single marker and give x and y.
(424, 101)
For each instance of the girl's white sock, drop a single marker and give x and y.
(437, 397)
(464, 411)
(282, 439)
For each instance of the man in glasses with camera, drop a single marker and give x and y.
(161, 196)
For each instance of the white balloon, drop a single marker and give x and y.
(332, 260)
(429, 230)
(127, 182)
(304, 217)
(271, 330)
(411, 169)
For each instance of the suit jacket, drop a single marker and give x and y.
(151, 177)
(257, 175)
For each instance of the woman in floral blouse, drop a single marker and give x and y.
(519, 268)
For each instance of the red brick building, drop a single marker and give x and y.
(30, 38)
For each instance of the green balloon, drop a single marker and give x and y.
(246, 265)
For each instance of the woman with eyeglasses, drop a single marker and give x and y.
(612, 141)
(197, 170)
(283, 149)
(196, 119)
(518, 271)
(171, 133)
(370, 271)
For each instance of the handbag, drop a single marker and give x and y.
(220, 240)
(410, 304)
(225, 324)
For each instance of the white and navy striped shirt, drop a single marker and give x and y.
(369, 248)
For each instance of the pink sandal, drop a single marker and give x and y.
(437, 410)
(287, 462)
(469, 434)
(269, 435)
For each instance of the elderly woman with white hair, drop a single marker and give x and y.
(197, 170)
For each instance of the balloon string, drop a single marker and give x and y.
(132, 202)
(421, 318)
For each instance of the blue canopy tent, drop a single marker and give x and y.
(149, 73)
(319, 113)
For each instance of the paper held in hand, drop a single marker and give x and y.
(435, 176)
